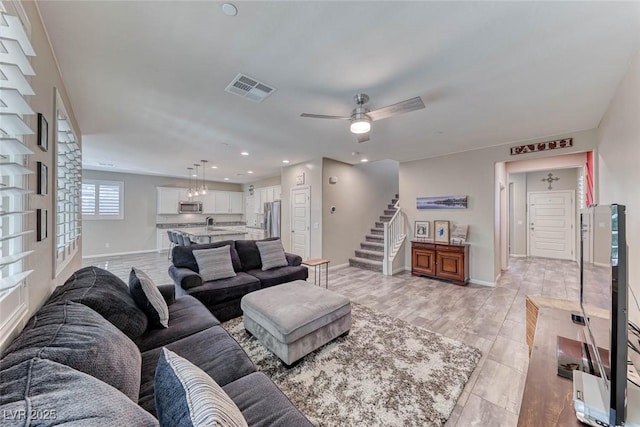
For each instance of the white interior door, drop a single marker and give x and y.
(300, 221)
(551, 224)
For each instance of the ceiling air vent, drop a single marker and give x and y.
(249, 88)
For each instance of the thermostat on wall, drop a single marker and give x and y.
(333, 180)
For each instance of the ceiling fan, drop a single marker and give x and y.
(361, 117)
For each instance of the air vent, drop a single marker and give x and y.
(249, 88)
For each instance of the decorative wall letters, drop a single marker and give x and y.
(542, 146)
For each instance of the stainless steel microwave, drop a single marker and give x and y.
(190, 207)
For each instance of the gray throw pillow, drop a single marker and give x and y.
(148, 297)
(76, 336)
(214, 263)
(272, 254)
(45, 393)
(186, 396)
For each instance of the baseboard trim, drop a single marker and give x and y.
(518, 255)
(399, 270)
(482, 283)
(339, 266)
(146, 251)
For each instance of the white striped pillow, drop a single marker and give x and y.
(185, 395)
(214, 263)
(148, 297)
(271, 254)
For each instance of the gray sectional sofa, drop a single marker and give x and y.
(88, 358)
(223, 296)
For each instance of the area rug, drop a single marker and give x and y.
(385, 372)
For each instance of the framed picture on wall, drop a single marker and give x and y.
(421, 230)
(43, 132)
(43, 179)
(441, 231)
(42, 217)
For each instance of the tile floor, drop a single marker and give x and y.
(491, 319)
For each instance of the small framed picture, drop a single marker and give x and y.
(43, 132)
(421, 230)
(43, 179)
(42, 217)
(441, 231)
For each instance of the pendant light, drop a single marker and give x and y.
(190, 191)
(204, 189)
(196, 192)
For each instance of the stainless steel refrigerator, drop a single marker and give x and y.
(272, 218)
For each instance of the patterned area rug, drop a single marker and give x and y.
(385, 372)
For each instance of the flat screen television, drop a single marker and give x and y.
(603, 283)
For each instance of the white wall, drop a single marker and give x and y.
(42, 281)
(472, 173)
(619, 169)
(360, 196)
(136, 232)
(518, 223)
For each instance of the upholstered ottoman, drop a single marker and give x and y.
(295, 318)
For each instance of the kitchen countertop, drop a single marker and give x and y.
(175, 225)
(213, 232)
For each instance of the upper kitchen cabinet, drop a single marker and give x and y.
(235, 203)
(209, 202)
(168, 199)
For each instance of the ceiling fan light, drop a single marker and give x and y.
(360, 125)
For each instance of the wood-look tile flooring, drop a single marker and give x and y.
(489, 318)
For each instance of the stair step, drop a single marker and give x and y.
(367, 254)
(366, 264)
(379, 224)
(374, 238)
(385, 218)
(394, 201)
(373, 246)
(390, 212)
(377, 231)
(393, 206)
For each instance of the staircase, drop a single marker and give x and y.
(370, 256)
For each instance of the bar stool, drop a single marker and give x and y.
(180, 238)
(172, 242)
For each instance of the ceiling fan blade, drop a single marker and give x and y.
(363, 137)
(396, 109)
(322, 116)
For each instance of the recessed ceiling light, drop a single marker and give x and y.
(249, 171)
(214, 167)
(194, 174)
(285, 161)
(226, 179)
(229, 9)
(364, 160)
(245, 153)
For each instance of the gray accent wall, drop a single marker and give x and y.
(360, 196)
(618, 170)
(136, 232)
(471, 173)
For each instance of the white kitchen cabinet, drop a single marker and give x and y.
(222, 201)
(268, 192)
(257, 201)
(162, 240)
(209, 202)
(277, 192)
(168, 199)
(236, 202)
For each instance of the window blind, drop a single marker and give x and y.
(102, 199)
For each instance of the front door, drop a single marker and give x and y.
(300, 221)
(551, 224)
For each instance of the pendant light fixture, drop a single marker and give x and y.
(196, 192)
(190, 191)
(204, 189)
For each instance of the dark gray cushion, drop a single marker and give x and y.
(187, 316)
(212, 293)
(280, 275)
(55, 394)
(262, 403)
(74, 335)
(106, 294)
(187, 396)
(212, 350)
(214, 263)
(147, 296)
(249, 253)
(182, 256)
(184, 277)
(271, 254)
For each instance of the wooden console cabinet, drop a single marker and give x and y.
(440, 260)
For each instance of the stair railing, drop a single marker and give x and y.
(394, 236)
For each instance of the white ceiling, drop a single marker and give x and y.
(146, 79)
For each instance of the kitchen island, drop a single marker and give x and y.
(213, 234)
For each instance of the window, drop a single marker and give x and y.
(102, 199)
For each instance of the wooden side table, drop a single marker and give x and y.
(317, 264)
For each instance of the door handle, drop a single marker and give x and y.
(293, 231)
